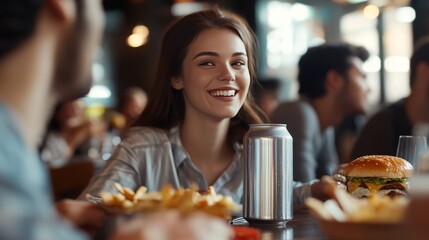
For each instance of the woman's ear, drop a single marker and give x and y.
(63, 10)
(176, 83)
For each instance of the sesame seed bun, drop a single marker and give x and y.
(381, 166)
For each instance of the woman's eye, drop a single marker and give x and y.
(206, 64)
(239, 63)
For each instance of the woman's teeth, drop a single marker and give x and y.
(223, 93)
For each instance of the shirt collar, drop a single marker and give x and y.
(179, 152)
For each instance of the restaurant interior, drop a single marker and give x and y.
(285, 29)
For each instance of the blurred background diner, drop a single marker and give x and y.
(69, 134)
(285, 30)
(332, 87)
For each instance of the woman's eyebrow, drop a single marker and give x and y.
(209, 53)
(206, 53)
(239, 54)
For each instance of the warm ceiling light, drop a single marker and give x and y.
(371, 11)
(136, 40)
(141, 29)
(139, 36)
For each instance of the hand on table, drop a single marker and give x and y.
(85, 215)
(325, 188)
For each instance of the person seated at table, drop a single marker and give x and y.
(69, 134)
(134, 103)
(380, 134)
(46, 50)
(332, 86)
(193, 127)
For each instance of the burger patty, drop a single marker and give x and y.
(393, 186)
(387, 186)
(392, 190)
(393, 194)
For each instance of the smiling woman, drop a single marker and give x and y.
(214, 83)
(192, 129)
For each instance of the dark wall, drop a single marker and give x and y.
(136, 66)
(421, 23)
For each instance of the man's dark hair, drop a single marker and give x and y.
(17, 22)
(420, 55)
(318, 61)
(270, 85)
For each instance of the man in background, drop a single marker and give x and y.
(332, 86)
(381, 133)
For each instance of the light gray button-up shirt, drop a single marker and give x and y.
(154, 157)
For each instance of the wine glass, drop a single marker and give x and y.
(411, 149)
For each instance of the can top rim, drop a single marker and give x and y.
(268, 125)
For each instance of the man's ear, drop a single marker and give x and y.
(334, 80)
(421, 75)
(422, 69)
(63, 10)
(176, 83)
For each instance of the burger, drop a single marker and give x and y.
(377, 174)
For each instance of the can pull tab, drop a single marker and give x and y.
(238, 221)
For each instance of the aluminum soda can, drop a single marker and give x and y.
(268, 174)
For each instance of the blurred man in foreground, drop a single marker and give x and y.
(332, 86)
(46, 50)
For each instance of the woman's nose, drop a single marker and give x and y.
(226, 74)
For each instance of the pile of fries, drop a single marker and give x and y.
(343, 207)
(185, 200)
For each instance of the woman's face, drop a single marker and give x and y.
(215, 76)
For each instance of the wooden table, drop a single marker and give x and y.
(302, 226)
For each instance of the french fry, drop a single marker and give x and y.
(119, 187)
(107, 198)
(128, 193)
(346, 201)
(335, 211)
(318, 208)
(141, 191)
(167, 193)
(127, 204)
(118, 199)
